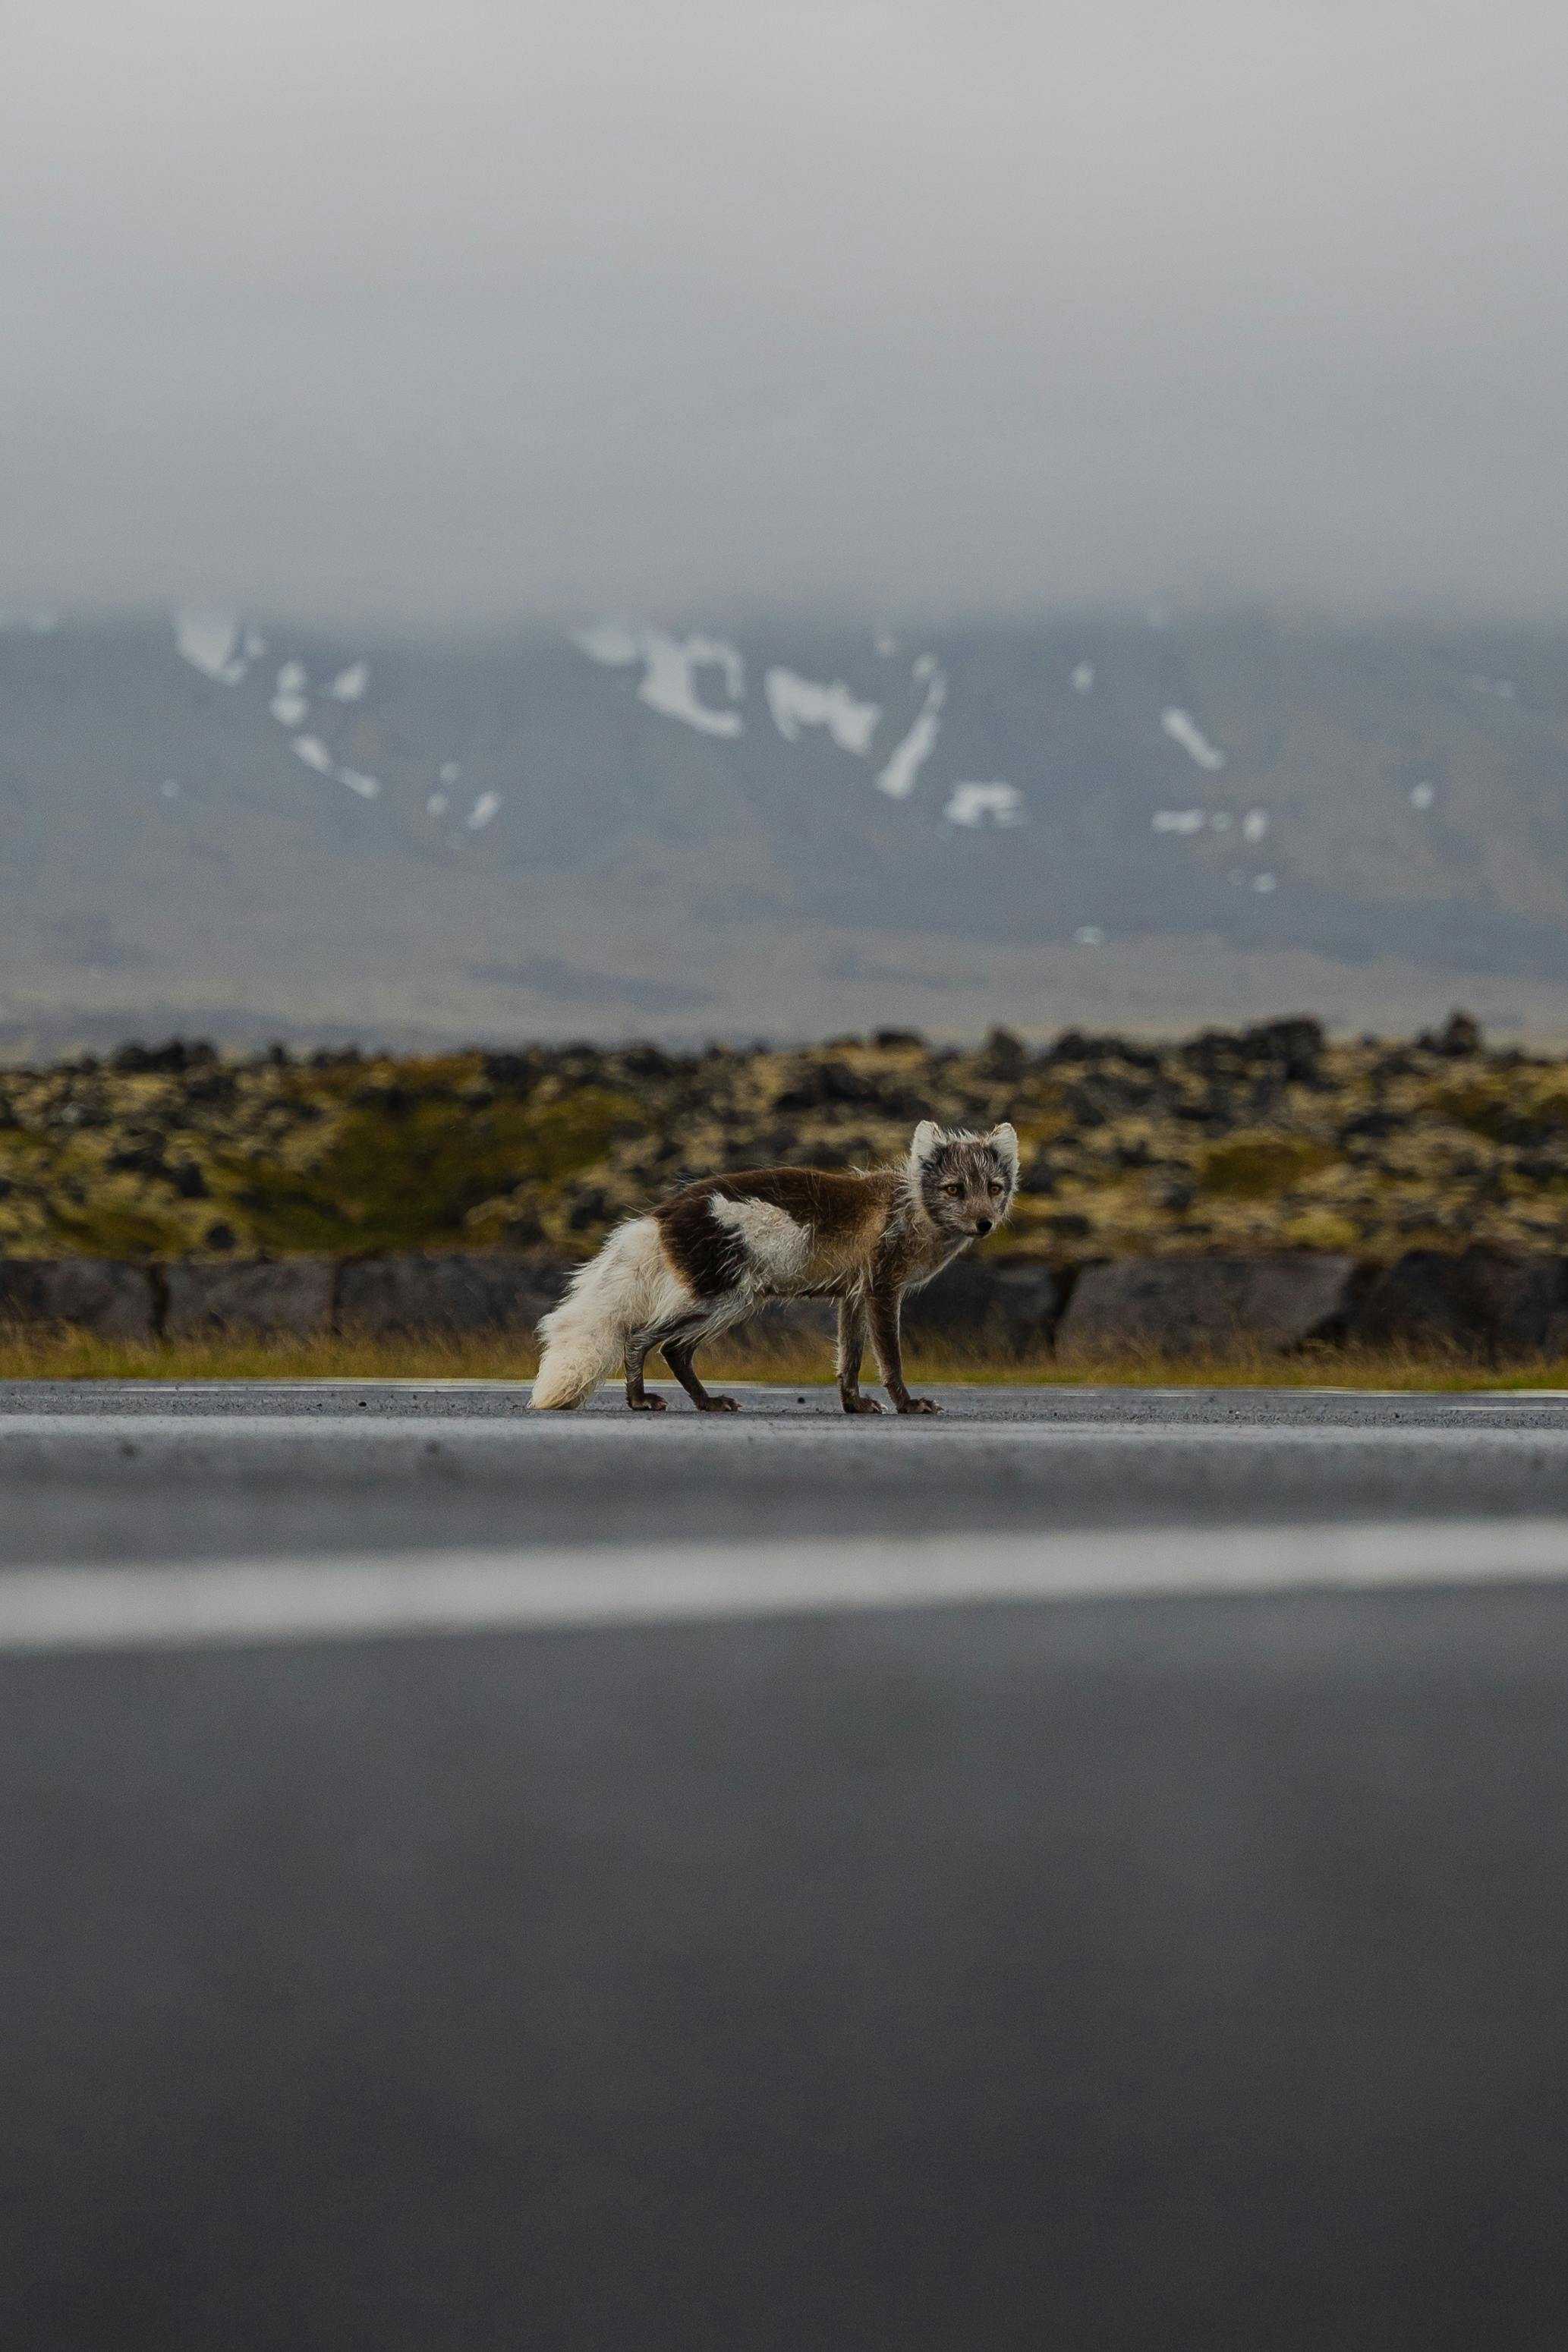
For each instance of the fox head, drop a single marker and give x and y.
(963, 1182)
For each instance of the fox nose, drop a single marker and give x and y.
(983, 1225)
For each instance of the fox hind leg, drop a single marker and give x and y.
(676, 1341)
(639, 1346)
(677, 1355)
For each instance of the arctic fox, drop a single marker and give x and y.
(717, 1248)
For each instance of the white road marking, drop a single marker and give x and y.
(377, 1595)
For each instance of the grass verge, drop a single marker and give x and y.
(70, 1355)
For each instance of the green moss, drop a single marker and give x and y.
(1257, 1167)
(403, 1170)
(106, 1229)
(1483, 1110)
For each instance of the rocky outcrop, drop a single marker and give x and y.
(1197, 1305)
(1002, 1305)
(269, 1299)
(398, 1297)
(1480, 1304)
(1485, 1302)
(785, 1323)
(109, 1300)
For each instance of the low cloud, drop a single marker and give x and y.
(459, 312)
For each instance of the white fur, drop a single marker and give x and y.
(1004, 1142)
(778, 1247)
(629, 1285)
(927, 1137)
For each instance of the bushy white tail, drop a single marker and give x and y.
(629, 1285)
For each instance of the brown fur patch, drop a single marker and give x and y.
(843, 1215)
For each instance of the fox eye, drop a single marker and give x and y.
(954, 1191)
(995, 1192)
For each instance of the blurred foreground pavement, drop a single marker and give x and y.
(1101, 1932)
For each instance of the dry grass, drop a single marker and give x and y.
(75, 1356)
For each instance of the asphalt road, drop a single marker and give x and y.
(1116, 1939)
(95, 1471)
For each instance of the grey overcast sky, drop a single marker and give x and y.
(465, 310)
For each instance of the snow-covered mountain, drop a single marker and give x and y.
(212, 821)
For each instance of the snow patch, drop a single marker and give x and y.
(610, 642)
(1264, 882)
(288, 704)
(1179, 820)
(367, 787)
(484, 808)
(970, 804)
(1089, 935)
(670, 671)
(1423, 795)
(314, 753)
(1083, 678)
(669, 680)
(169, 789)
(898, 778)
(1183, 729)
(1255, 825)
(350, 683)
(209, 640)
(450, 772)
(437, 804)
(796, 702)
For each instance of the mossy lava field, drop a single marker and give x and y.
(1271, 1138)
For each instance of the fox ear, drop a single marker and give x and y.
(1004, 1142)
(927, 1135)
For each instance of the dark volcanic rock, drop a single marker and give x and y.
(391, 1297)
(783, 1320)
(1459, 1035)
(988, 1303)
(992, 1304)
(1480, 1301)
(1188, 1305)
(103, 1296)
(286, 1299)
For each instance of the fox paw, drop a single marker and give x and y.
(920, 1404)
(646, 1404)
(861, 1404)
(719, 1404)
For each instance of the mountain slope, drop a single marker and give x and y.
(261, 829)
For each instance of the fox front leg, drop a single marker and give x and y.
(885, 1305)
(851, 1348)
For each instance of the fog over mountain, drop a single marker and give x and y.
(461, 312)
(250, 828)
